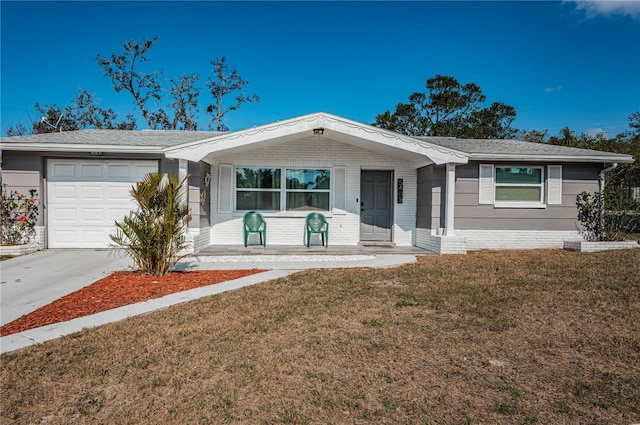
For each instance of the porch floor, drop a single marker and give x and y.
(221, 250)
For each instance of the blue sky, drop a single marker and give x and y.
(559, 64)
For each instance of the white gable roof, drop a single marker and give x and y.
(335, 128)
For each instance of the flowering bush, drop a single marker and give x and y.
(18, 214)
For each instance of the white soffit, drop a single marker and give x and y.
(335, 128)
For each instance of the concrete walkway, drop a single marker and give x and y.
(34, 280)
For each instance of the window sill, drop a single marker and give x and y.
(519, 205)
(285, 214)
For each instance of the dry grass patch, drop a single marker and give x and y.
(543, 336)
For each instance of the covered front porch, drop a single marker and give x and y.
(362, 178)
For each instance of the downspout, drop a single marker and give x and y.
(601, 184)
(606, 170)
(449, 215)
(183, 200)
(183, 170)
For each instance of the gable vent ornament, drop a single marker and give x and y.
(318, 131)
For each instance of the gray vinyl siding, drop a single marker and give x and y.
(22, 171)
(430, 197)
(169, 166)
(423, 198)
(469, 214)
(199, 213)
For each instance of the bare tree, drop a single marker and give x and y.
(122, 69)
(83, 112)
(225, 81)
(180, 113)
(18, 129)
(87, 114)
(145, 88)
(53, 119)
(185, 102)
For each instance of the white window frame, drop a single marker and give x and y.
(283, 188)
(487, 187)
(243, 189)
(286, 191)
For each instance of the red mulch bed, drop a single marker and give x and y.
(116, 290)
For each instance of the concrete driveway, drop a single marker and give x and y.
(31, 281)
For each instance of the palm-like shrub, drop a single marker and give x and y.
(153, 236)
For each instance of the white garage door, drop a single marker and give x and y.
(85, 198)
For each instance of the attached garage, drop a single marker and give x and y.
(83, 180)
(86, 196)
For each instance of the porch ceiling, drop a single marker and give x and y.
(419, 152)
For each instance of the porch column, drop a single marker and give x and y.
(183, 168)
(450, 200)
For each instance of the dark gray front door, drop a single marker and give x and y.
(375, 205)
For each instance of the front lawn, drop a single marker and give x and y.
(545, 336)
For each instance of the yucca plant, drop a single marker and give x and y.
(153, 236)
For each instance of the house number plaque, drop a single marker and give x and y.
(400, 190)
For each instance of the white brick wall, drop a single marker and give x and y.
(596, 246)
(36, 243)
(18, 249)
(516, 239)
(405, 214)
(40, 236)
(472, 240)
(197, 239)
(429, 240)
(287, 228)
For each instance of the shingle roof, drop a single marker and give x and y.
(158, 140)
(155, 138)
(499, 148)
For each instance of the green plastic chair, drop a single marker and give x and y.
(317, 223)
(254, 223)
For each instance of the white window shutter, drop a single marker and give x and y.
(485, 188)
(340, 190)
(554, 195)
(225, 189)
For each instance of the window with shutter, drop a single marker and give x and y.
(486, 184)
(517, 186)
(225, 180)
(340, 190)
(554, 182)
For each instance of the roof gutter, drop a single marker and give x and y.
(77, 147)
(627, 159)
